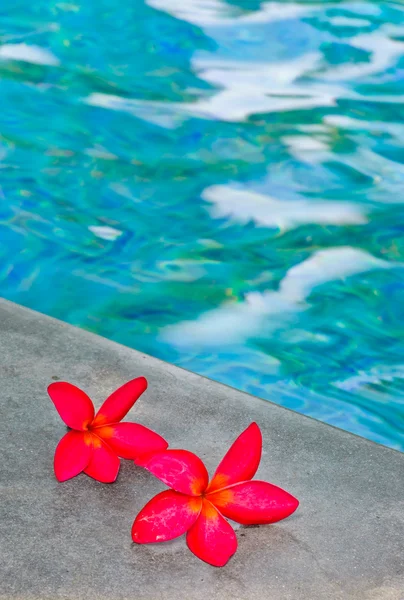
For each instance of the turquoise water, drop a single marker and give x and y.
(220, 185)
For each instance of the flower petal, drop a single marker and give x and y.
(212, 538)
(130, 440)
(241, 461)
(254, 502)
(120, 402)
(167, 516)
(104, 463)
(72, 454)
(181, 470)
(72, 404)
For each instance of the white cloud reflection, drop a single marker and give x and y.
(217, 13)
(27, 53)
(243, 206)
(105, 232)
(268, 311)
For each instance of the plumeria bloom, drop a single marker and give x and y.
(195, 506)
(95, 443)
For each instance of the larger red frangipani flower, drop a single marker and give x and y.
(95, 443)
(198, 507)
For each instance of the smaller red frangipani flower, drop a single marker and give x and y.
(198, 507)
(95, 443)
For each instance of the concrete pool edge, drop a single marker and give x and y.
(345, 541)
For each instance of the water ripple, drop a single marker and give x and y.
(252, 149)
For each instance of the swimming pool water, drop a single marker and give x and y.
(219, 184)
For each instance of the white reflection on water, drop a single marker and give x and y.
(244, 206)
(164, 114)
(248, 88)
(234, 323)
(253, 76)
(27, 53)
(216, 12)
(105, 232)
(375, 376)
(233, 105)
(382, 53)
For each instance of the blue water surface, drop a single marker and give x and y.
(219, 183)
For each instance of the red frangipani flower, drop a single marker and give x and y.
(198, 507)
(95, 443)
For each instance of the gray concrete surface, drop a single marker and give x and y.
(72, 541)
